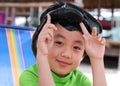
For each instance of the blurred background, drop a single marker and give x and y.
(24, 14)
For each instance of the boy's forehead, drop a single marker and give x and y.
(62, 29)
(62, 32)
(69, 27)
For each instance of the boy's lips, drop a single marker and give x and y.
(63, 63)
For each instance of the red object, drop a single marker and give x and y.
(107, 24)
(2, 18)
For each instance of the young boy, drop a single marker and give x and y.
(59, 44)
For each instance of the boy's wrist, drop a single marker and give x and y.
(96, 60)
(40, 55)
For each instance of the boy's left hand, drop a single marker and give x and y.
(94, 44)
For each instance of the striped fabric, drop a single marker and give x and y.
(15, 54)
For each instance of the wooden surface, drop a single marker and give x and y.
(112, 43)
(112, 52)
(112, 48)
(42, 4)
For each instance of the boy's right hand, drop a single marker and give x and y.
(45, 37)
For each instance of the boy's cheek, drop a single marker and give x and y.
(52, 50)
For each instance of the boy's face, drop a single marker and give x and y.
(66, 53)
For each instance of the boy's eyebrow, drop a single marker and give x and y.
(59, 35)
(79, 41)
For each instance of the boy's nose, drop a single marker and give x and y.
(66, 53)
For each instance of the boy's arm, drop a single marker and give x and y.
(95, 48)
(44, 41)
(44, 73)
(98, 72)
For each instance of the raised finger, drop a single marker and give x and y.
(99, 38)
(48, 18)
(94, 31)
(84, 29)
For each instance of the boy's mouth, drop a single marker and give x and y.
(63, 63)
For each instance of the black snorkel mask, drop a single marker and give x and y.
(69, 16)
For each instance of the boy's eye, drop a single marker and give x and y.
(76, 47)
(58, 43)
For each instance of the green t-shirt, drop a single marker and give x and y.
(30, 78)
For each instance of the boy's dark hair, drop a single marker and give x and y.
(67, 15)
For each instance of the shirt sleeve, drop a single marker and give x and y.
(29, 77)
